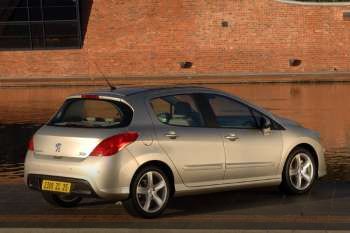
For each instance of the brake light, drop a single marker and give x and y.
(114, 144)
(90, 96)
(31, 144)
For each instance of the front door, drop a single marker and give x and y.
(196, 150)
(251, 153)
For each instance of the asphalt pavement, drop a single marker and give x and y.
(326, 207)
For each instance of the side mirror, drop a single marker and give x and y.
(265, 124)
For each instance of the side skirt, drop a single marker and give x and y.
(182, 190)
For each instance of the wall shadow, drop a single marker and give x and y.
(14, 139)
(85, 11)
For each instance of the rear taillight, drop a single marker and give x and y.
(112, 145)
(31, 144)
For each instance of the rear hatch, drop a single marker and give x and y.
(80, 125)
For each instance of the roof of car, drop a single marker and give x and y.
(125, 91)
(133, 90)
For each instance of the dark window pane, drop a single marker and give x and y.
(37, 35)
(60, 13)
(14, 43)
(58, 42)
(35, 14)
(35, 3)
(230, 113)
(63, 34)
(13, 14)
(61, 29)
(12, 3)
(59, 2)
(14, 30)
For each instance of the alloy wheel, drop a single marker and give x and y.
(151, 192)
(301, 171)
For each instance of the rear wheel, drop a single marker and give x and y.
(149, 193)
(299, 172)
(62, 200)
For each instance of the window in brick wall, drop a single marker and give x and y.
(39, 24)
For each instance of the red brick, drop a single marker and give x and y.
(151, 37)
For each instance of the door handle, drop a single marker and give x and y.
(171, 135)
(231, 137)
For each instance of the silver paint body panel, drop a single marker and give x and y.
(200, 159)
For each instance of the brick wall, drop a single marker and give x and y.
(151, 37)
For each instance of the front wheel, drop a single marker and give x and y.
(149, 193)
(299, 172)
(62, 200)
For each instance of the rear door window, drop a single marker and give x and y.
(177, 110)
(93, 113)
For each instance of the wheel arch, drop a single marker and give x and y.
(164, 167)
(307, 147)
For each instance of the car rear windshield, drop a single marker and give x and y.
(92, 113)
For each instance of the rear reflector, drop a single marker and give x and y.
(114, 144)
(31, 144)
(90, 96)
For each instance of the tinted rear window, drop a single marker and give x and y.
(91, 113)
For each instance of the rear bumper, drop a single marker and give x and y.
(104, 177)
(79, 187)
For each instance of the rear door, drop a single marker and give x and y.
(196, 150)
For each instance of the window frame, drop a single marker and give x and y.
(29, 23)
(209, 118)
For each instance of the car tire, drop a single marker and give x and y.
(66, 201)
(299, 173)
(149, 193)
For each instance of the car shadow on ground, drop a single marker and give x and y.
(95, 202)
(257, 201)
(326, 198)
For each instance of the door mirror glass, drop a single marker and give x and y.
(265, 123)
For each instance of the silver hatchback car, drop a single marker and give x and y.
(143, 145)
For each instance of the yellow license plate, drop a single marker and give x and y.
(55, 186)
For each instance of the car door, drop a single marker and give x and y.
(251, 153)
(196, 150)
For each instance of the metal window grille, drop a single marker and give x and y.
(39, 24)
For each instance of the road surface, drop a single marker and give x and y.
(326, 207)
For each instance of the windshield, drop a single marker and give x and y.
(92, 113)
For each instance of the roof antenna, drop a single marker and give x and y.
(111, 87)
(109, 84)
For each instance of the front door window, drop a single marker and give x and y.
(230, 113)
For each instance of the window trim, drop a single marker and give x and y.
(200, 97)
